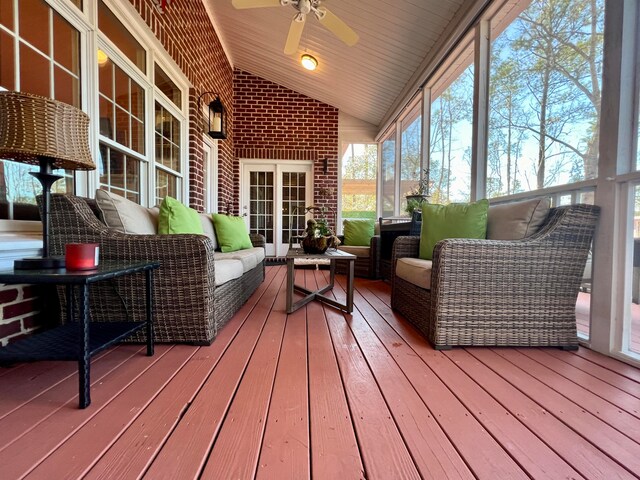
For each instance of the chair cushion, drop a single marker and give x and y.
(126, 216)
(415, 270)
(231, 232)
(358, 232)
(207, 228)
(517, 220)
(358, 251)
(227, 269)
(456, 220)
(249, 257)
(177, 218)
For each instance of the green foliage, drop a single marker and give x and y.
(353, 214)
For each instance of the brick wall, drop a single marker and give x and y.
(185, 31)
(20, 307)
(275, 123)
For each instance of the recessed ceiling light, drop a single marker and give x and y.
(308, 62)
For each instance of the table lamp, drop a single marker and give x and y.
(41, 131)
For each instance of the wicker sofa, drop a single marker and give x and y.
(191, 305)
(501, 292)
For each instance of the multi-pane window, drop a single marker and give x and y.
(168, 166)
(40, 54)
(359, 174)
(261, 185)
(545, 90)
(293, 204)
(127, 162)
(451, 127)
(388, 175)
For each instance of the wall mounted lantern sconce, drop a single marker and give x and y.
(216, 126)
(325, 165)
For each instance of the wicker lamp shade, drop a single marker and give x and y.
(34, 127)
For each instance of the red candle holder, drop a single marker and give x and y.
(82, 256)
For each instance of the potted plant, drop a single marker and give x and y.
(419, 193)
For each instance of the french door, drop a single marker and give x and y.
(274, 195)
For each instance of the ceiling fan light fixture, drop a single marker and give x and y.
(309, 62)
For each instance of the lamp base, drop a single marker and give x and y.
(39, 263)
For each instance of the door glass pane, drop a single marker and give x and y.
(293, 205)
(260, 208)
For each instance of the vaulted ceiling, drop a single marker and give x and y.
(364, 80)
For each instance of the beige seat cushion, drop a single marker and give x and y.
(358, 251)
(415, 270)
(250, 257)
(227, 269)
(207, 228)
(517, 220)
(126, 216)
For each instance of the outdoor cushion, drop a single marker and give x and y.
(415, 270)
(177, 218)
(517, 220)
(226, 270)
(456, 220)
(249, 257)
(358, 251)
(231, 232)
(357, 232)
(207, 228)
(126, 216)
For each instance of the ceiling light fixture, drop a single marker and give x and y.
(103, 58)
(308, 62)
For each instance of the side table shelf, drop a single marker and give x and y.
(61, 343)
(78, 338)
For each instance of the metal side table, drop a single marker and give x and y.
(78, 338)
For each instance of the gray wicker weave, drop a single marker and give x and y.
(189, 308)
(497, 292)
(364, 267)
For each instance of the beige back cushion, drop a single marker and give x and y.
(207, 228)
(126, 216)
(517, 220)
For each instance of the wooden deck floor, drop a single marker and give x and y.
(323, 395)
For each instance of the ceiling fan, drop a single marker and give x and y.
(304, 7)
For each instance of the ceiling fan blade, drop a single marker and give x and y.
(337, 27)
(242, 4)
(295, 32)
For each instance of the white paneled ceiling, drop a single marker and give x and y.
(363, 80)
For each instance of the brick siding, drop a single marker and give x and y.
(20, 307)
(275, 123)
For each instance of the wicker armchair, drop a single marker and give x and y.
(499, 292)
(189, 307)
(364, 266)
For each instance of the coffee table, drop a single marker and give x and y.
(331, 255)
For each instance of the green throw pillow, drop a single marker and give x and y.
(177, 218)
(456, 220)
(357, 232)
(231, 232)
